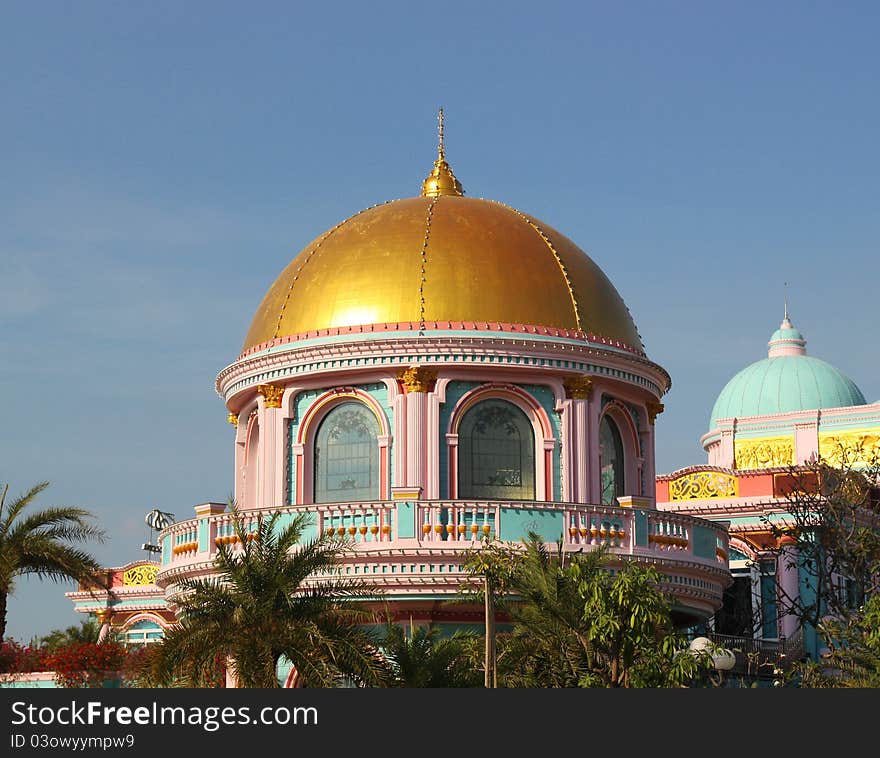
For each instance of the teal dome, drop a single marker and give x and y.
(787, 380)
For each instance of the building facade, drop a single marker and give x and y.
(440, 369)
(779, 413)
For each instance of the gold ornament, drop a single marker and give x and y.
(764, 452)
(272, 394)
(859, 446)
(417, 379)
(654, 409)
(578, 387)
(140, 575)
(703, 485)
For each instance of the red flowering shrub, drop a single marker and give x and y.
(16, 658)
(87, 664)
(90, 664)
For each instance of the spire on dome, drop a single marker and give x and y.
(441, 180)
(785, 300)
(786, 340)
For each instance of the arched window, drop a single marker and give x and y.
(496, 453)
(611, 460)
(347, 455)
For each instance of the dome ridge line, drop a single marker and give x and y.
(552, 249)
(311, 252)
(429, 215)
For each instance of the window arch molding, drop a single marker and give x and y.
(538, 420)
(138, 617)
(304, 444)
(619, 414)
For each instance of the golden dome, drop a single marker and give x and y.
(442, 258)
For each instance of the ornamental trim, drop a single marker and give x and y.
(703, 485)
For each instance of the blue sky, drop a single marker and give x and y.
(160, 163)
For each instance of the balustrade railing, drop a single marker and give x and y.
(629, 531)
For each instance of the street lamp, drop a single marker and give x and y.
(723, 659)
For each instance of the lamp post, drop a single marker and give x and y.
(723, 660)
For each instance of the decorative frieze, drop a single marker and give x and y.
(763, 452)
(859, 447)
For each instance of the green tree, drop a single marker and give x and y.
(87, 631)
(262, 605)
(576, 623)
(43, 543)
(830, 533)
(493, 562)
(423, 658)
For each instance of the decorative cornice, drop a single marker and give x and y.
(578, 387)
(271, 394)
(389, 353)
(417, 379)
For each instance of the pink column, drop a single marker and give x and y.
(432, 447)
(569, 474)
(577, 437)
(592, 450)
(418, 382)
(806, 442)
(270, 485)
(399, 440)
(240, 440)
(787, 572)
(725, 456)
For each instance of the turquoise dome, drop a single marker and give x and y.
(787, 380)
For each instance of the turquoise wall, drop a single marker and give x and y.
(641, 527)
(406, 520)
(704, 542)
(516, 523)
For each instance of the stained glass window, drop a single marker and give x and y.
(496, 453)
(347, 455)
(611, 460)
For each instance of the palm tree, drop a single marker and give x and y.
(259, 608)
(578, 624)
(424, 659)
(87, 631)
(42, 544)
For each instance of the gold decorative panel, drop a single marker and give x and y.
(764, 452)
(140, 575)
(856, 447)
(703, 485)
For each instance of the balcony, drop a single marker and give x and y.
(415, 549)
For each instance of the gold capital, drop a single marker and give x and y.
(232, 418)
(578, 387)
(104, 615)
(654, 409)
(272, 394)
(417, 379)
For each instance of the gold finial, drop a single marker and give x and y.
(441, 180)
(441, 154)
(785, 298)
